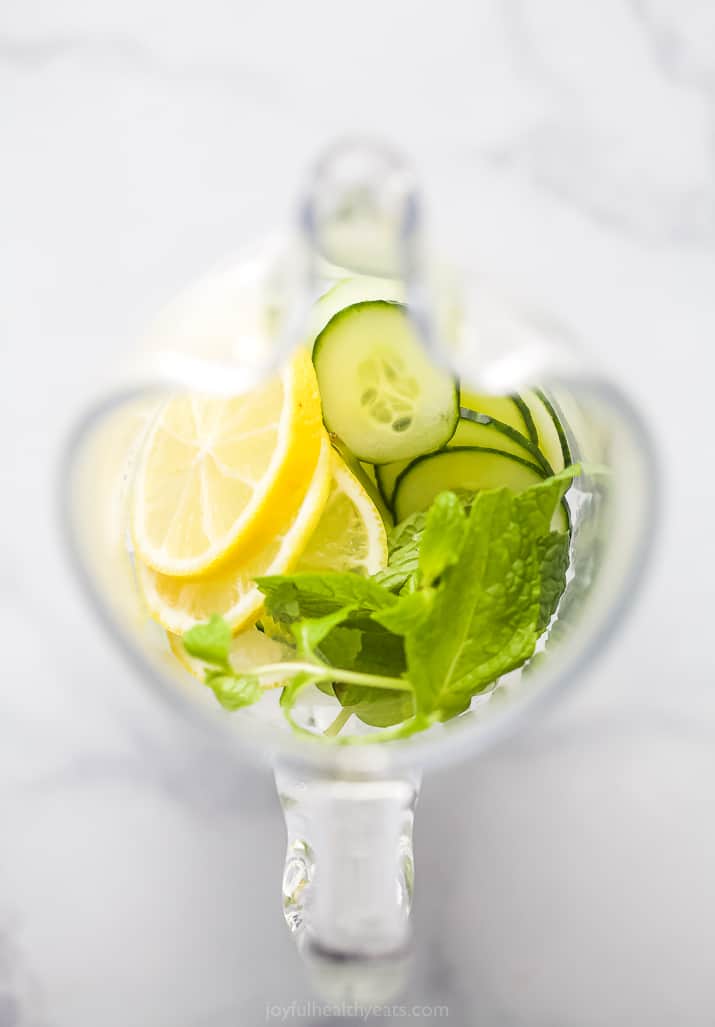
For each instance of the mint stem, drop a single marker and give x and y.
(324, 673)
(339, 723)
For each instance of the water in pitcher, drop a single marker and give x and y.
(361, 543)
(358, 546)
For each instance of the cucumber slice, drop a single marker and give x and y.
(496, 435)
(551, 439)
(472, 430)
(346, 293)
(469, 467)
(528, 419)
(585, 433)
(560, 428)
(381, 394)
(511, 410)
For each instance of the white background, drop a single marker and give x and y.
(568, 877)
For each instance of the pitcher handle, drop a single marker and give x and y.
(349, 870)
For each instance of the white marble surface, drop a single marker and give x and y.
(569, 877)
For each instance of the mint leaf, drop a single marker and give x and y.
(405, 539)
(406, 532)
(479, 578)
(342, 646)
(442, 538)
(408, 614)
(343, 636)
(535, 507)
(361, 644)
(234, 691)
(310, 632)
(485, 615)
(291, 596)
(403, 546)
(554, 556)
(369, 648)
(378, 707)
(209, 642)
(441, 653)
(399, 575)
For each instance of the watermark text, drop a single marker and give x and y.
(311, 1009)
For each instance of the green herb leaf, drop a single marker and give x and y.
(209, 642)
(403, 547)
(401, 574)
(479, 577)
(342, 646)
(485, 616)
(405, 539)
(408, 614)
(234, 691)
(554, 556)
(362, 644)
(533, 505)
(383, 654)
(367, 647)
(310, 632)
(291, 596)
(406, 533)
(442, 538)
(377, 707)
(330, 615)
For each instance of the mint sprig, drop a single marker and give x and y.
(211, 642)
(484, 619)
(469, 589)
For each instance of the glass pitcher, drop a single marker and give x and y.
(478, 395)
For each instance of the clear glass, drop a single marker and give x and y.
(355, 838)
(349, 871)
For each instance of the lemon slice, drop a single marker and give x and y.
(179, 603)
(350, 535)
(249, 649)
(217, 476)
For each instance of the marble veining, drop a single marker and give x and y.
(625, 129)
